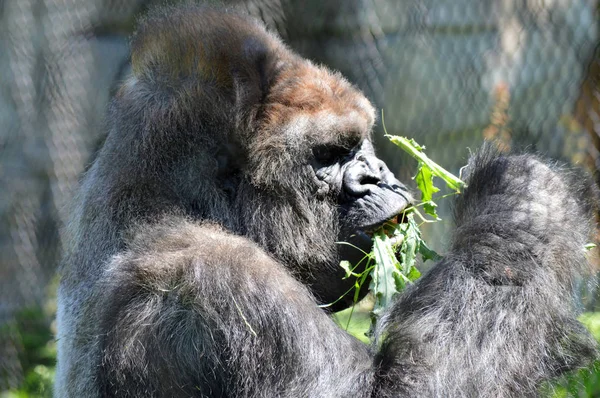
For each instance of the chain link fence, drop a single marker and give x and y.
(447, 72)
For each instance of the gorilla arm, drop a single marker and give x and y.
(191, 309)
(496, 316)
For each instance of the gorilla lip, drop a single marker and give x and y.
(399, 218)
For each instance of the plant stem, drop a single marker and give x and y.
(451, 180)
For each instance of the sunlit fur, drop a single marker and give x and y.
(495, 317)
(201, 240)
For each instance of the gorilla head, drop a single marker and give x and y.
(223, 122)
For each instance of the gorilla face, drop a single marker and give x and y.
(366, 193)
(370, 194)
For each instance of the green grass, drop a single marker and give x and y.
(31, 332)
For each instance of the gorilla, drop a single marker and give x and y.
(205, 235)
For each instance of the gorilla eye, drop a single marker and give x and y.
(329, 154)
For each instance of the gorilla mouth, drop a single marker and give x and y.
(397, 219)
(380, 207)
(400, 218)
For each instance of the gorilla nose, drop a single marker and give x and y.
(366, 172)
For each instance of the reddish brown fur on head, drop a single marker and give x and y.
(305, 90)
(307, 104)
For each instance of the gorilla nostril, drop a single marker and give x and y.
(360, 184)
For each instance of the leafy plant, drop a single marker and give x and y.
(396, 244)
(391, 273)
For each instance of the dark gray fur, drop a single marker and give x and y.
(495, 317)
(195, 269)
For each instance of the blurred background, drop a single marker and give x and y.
(448, 73)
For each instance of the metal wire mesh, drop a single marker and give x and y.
(446, 72)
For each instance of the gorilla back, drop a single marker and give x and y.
(204, 236)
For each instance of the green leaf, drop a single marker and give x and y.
(416, 151)
(589, 247)
(410, 245)
(427, 253)
(414, 274)
(383, 281)
(345, 264)
(429, 208)
(399, 280)
(418, 147)
(424, 180)
(391, 266)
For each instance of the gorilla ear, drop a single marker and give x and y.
(209, 54)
